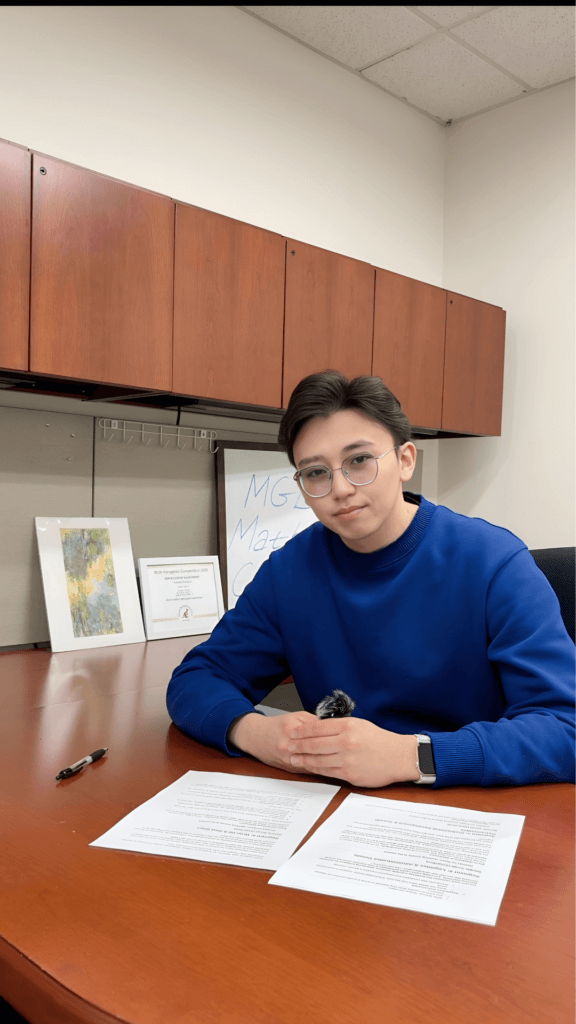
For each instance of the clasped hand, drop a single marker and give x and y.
(351, 749)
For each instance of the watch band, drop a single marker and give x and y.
(425, 761)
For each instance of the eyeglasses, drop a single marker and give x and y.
(360, 469)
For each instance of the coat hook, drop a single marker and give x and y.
(182, 435)
(102, 423)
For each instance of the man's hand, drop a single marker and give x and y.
(351, 749)
(267, 737)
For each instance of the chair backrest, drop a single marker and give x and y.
(557, 564)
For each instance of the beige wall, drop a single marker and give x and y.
(509, 239)
(45, 467)
(56, 461)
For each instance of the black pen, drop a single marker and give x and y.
(67, 773)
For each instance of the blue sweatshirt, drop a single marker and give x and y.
(452, 630)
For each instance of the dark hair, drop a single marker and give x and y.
(322, 394)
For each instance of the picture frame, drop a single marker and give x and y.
(89, 582)
(181, 596)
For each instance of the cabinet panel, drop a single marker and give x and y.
(102, 278)
(409, 330)
(46, 468)
(474, 366)
(329, 314)
(14, 255)
(228, 309)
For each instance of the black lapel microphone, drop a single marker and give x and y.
(339, 705)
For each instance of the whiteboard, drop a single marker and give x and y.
(262, 507)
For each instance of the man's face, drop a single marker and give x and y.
(366, 517)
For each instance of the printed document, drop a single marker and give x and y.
(228, 819)
(438, 860)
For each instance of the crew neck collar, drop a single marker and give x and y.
(402, 546)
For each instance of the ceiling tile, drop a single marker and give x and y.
(442, 78)
(446, 16)
(534, 43)
(356, 36)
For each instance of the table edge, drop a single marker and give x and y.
(36, 995)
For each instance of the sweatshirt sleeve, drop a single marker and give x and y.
(233, 670)
(533, 659)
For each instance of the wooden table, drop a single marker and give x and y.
(99, 935)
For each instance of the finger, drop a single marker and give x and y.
(316, 745)
(302, 717)
(317, 727)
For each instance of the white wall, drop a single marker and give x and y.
(509, 239)
(212, 107)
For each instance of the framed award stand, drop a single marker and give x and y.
(180, 596)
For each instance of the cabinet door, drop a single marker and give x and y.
(329, 314)
(409, 329)
(474, 366)
(14, 256)
(102, 278)
(228, 309)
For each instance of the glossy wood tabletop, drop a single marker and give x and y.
(99, 935)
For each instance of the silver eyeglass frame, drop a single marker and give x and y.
(296, 476)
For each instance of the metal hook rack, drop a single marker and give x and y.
(190, 438)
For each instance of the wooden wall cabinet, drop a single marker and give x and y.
(228, 309)
(102, 278)
(409, 329)
(473, 366)
(329, 314)
(440, 353)
(14, 255)
(127, 288)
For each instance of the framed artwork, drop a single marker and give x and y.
(180, 596)
(89, 583)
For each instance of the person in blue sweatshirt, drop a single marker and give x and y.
(439, 626)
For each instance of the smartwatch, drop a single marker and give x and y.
(425, 761)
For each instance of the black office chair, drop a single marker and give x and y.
(9, 1016)
(557, 564)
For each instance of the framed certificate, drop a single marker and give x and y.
(180, 596)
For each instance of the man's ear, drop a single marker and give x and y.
(408, 456)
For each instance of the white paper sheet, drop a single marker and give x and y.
(439, 860)
(227, 819)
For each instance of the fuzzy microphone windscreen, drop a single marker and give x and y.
(339, 705)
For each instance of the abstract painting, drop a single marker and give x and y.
(91, 583)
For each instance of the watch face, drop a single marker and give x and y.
(426, 759)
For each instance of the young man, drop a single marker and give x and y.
(440, 627)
